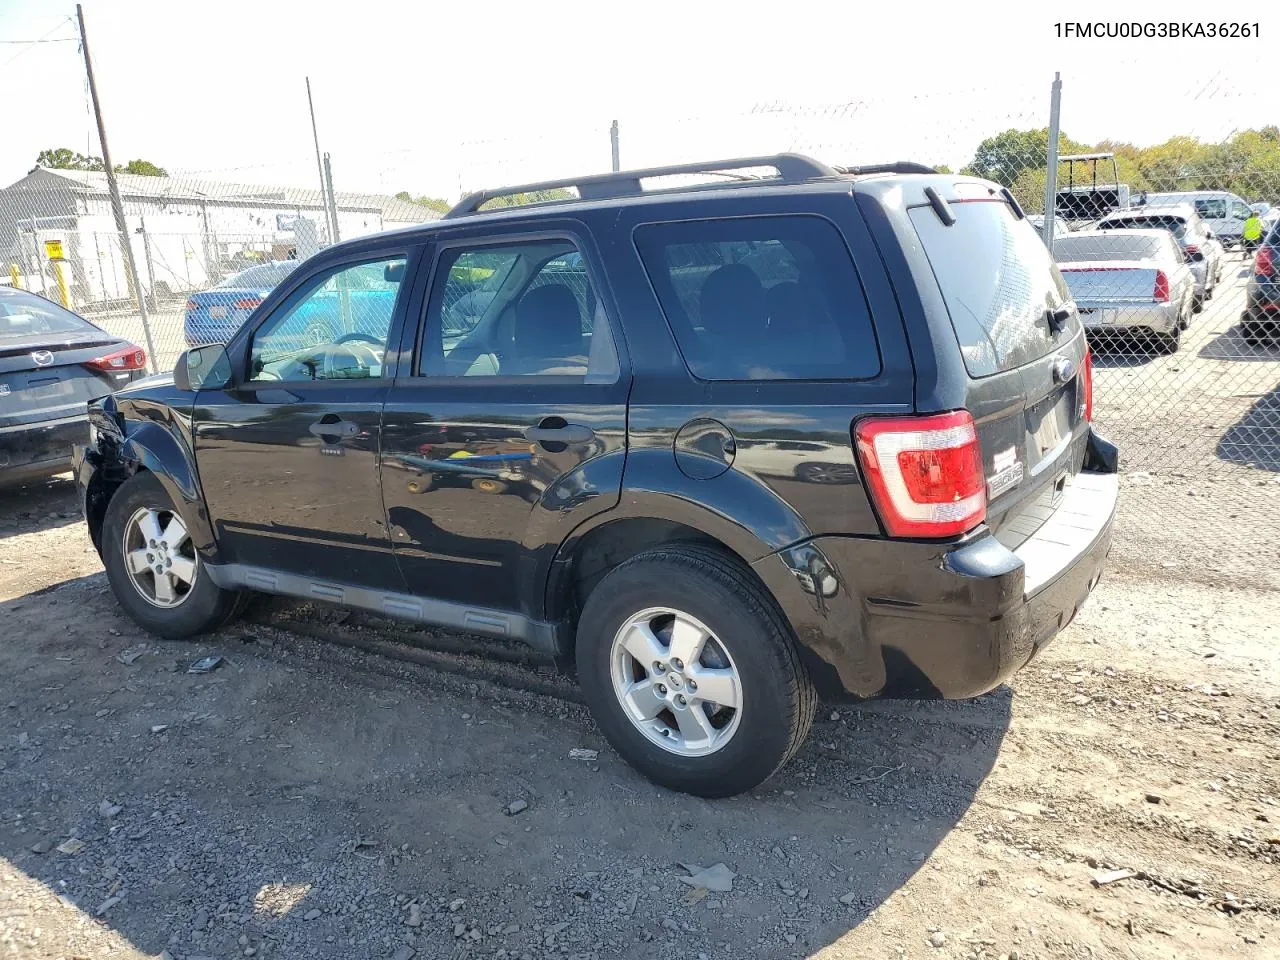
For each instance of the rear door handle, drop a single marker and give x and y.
(331, 425)
(570, 433)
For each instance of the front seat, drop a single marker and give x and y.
(548, 333)
(734, 315)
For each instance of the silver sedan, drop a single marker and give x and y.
(1128, 280)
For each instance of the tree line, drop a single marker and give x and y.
(1247, 164)
(62, 158)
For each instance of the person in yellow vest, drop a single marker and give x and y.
(1252, 235)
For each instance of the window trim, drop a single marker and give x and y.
(442, 247)
(291, 299)
(781, 215)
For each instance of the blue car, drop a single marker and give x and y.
(214, 315)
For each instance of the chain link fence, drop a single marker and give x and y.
(1187, 387)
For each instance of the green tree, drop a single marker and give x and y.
(434, 203)
(1004, 157)
(61, 158)
(142, 168)
(536, 196)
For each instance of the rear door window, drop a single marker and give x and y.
(761, 298)
(997, 279)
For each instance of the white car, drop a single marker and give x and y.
(1127, 281)
(1222, 212)
(1204, 252)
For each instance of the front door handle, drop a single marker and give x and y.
(565, 433)
(331, 425)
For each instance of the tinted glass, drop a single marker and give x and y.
(25, 314)
(1176, 225)
(766, 298)
(336, 330)
(1215, 208)
(517, 310)
(263, 277)
(997, 279)
(1104, 247)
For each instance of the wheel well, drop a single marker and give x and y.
(101, 489)
(606, 547)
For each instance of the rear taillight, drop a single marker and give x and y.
(247, 303)
(924, 473)
(1161, 291)
(130, 358)
(1191, 248)
(1264, 262)
(1086, 386)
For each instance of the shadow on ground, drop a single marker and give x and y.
(1232, 345)
(305, 780)
(38, 504)
(1254, 439)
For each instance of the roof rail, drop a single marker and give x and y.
(791, 167)
(898, 166)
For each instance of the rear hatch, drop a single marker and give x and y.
(1023, 349)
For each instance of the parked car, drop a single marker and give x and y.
(1222, 212)
(1128, 281)
(214, 315)
(1060, 226)
(52, 363)
(1204, 253)
(1261, 321)
(706, 586)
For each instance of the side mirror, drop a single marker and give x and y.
(202, 367)
(393, 272)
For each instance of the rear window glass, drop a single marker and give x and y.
(1175, 225)
(997, 279)
(761, 298)
(25, 315)
(1099, 246)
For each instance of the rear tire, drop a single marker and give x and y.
(1168, 343)
(756, 702)
(144, 546)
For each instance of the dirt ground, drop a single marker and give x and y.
(313, 798)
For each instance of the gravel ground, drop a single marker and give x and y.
(343, 787)
(346, 787)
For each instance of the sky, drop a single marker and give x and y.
(439, 98)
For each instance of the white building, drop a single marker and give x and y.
(186, 234)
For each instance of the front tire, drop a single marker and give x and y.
(692, 672)
(152, 565)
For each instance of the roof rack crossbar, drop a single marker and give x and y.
(898, 166)
(791, 167)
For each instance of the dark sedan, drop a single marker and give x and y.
(52, 364)
(1262, 296)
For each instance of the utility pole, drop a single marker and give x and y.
(333, 198)
(117, 207)
(613, 142)
(324, 183)
(1051, 172)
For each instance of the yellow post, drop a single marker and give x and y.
(15, 277)
(53, 250)
(59, 271)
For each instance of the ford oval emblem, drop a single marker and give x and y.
(1063, 370)
(41, 358)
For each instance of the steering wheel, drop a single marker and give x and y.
(357, 335)
(354, 351)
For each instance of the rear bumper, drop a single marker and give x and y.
(1262, 299)
(41, 448)
(884, 617)
(1104, 315)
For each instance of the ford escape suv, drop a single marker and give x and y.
(722, 448)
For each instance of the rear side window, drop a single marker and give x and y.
(1175, 225)
(997, 279)
(761, 298)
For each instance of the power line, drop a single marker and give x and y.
(29, 44)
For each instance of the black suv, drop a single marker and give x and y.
(723, 448)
